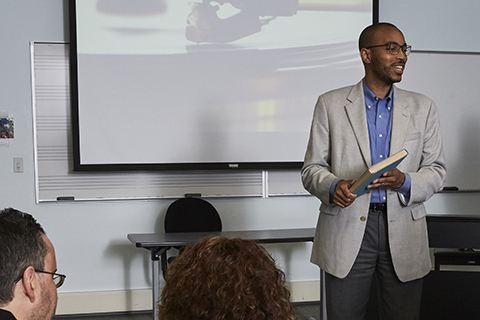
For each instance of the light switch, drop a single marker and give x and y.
(18, 165)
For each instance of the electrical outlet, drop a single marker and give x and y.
(18, 165)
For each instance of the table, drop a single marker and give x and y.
(159, 243)
(445, 231)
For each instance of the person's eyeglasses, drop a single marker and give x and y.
(394, 48)
(58, 279)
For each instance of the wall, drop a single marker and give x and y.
(102, 267)
(90, 237)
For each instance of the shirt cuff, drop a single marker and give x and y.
(405, 188)
(332, 189)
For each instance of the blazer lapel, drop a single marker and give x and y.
(357, 117)
(401, 118)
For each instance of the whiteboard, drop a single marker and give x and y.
(433, 25)
(451, 80)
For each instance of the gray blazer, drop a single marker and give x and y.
(339, 148)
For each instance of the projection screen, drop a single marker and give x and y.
(177, 84)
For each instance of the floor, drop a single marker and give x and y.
(304, 311)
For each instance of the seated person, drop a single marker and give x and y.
(28, 278)
(220, 278)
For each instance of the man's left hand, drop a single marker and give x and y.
(392, 179)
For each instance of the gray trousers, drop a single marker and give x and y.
(347, 298)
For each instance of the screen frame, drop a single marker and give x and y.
(78, 166)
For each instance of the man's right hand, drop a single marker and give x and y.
(343, 197)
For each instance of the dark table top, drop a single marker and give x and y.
(453, 218)
(445, 231)
(155, 240)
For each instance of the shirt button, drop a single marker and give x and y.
(384, 198)
(363, 219)
(380, 135)
(369, 107)
(381, 156)
(380, 116)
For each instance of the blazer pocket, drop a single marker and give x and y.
(418, 212)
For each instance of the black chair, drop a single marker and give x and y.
(190, 214)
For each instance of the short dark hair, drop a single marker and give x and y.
(367, 37)
(21, 246)
(219, 278)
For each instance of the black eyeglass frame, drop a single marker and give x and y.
(406, 49)
(55, 276)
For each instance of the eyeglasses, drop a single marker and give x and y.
(394, 48)
(58, 279)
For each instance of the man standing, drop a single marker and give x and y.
(28, 278)
(382, 233)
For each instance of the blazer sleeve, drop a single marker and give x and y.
(316, 172)
(431, 172)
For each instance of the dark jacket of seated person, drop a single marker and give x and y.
(220, 278)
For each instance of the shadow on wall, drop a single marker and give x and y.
(127, 253)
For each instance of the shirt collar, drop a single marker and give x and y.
(370, 96)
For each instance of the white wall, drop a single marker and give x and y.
(90, 237)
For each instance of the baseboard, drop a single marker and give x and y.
(104, 301)
(141, 299)
(303, 291)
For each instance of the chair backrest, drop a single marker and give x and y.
(192, 215)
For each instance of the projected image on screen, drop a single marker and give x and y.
(197, 84)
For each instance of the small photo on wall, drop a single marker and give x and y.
(6, 128)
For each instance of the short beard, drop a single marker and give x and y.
(46, 309)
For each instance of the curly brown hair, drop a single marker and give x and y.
(229, 279)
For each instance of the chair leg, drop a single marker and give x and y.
(164, 263)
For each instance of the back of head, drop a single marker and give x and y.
(220, 278)
(21, 245)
